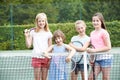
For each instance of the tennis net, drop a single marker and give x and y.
(16, 65)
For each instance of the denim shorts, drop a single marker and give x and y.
(81, 67)
(104, 63)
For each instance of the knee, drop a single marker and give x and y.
(90, 77)
(105, 78)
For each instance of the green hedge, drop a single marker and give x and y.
(13, 37)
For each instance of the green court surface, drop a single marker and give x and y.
(19, 67)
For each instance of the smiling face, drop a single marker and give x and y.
(96, 22)
(58, 37)
(59, 40)
(41, 23)
(80, 27)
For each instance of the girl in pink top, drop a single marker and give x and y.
(100, 39)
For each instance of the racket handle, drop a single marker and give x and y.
(28, 30)
(93, 72)
(76, 69)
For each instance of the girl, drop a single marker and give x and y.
(40, 37)
(57, 66)
(85, 40)
(100, 39)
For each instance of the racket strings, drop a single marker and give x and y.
(77, 58)
(77, 62)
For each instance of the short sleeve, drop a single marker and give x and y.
(73, 39)
(87, 39)
(105, 35)
(31, 33)
(50, 34)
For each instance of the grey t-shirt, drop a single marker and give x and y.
(83, 40)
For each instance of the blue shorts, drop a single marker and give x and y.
(81, 67)
(104, 63)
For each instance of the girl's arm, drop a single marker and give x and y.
(49, 41)
(81, 49)
(72, 52)
(28, 41)
(28, 38)
(49, 49)
(107, 46)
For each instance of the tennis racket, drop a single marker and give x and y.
(92, 61)
(78, 57)
(70, 66)
(28, 30)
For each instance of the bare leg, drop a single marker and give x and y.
(37, 73)
(82, 75)
(106, 73)
(90, 77)
(74, 76)
(44, 73)
(97, 71)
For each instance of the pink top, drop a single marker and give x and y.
(97, 40)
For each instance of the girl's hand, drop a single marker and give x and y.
(68, 59)
(70, 44)
(26, 32)
(90, 50)
(46, 55)
(91, 63)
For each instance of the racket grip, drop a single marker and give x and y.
(93, 73)
(29, 30)
(76, 69)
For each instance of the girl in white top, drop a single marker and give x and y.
(100, 39)
(80, 27)
(41, 38)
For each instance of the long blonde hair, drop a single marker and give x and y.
(41, 15)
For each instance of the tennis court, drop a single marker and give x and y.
(16, 65)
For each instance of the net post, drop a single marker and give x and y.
(11, 24)
(85, 65)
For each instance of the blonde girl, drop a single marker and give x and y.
(80, 27)
(41, 38)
